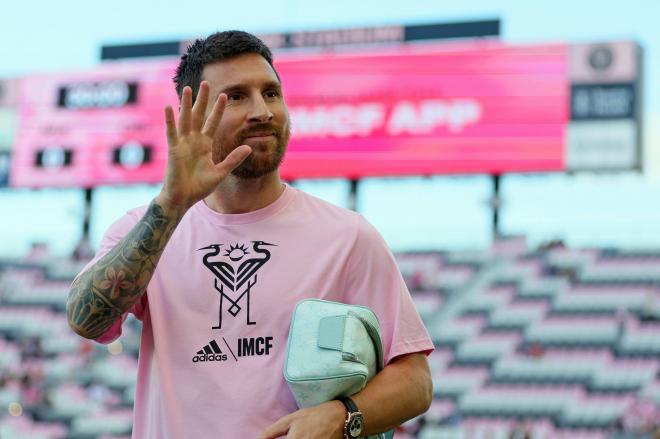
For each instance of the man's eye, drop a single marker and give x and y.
(234, 97)
(272, 94)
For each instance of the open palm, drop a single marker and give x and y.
(191, 173)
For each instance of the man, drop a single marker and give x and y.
(215, 265)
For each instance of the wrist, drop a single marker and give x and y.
(171, 208)
(336, 416)
(353, 419)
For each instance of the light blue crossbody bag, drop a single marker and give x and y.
(333, 350)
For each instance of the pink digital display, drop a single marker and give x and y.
(424, 109)
(483, 108)
(101, 127)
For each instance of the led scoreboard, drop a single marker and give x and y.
(427, 109)
(422, 109)
(99, 127)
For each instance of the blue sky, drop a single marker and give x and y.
(444, 212)
(63, 35)
(67, 34)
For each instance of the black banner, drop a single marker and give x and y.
(603, 101)
(54, 157)
(108, 94)
(5, 167)
(131, 155)
(326, 38)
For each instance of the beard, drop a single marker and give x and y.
(262, 160)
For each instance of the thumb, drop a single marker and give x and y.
(234, 159)
(278, 429)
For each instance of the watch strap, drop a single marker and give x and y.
(350, 405)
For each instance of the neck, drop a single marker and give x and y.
(235, 195)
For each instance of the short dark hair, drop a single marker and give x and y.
(216, 47)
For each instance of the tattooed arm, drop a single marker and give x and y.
(110, 287)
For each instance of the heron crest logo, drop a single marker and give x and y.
(235, 268)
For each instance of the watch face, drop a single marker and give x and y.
(355, 425)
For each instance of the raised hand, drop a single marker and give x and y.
(191, 173)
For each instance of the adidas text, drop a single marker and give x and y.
(209, 357)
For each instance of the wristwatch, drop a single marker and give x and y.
(354, 420)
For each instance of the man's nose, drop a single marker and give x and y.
(259, 111)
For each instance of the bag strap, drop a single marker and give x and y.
(374, 335)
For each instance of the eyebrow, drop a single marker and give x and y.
(239, 87)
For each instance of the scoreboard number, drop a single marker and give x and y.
(106, 94)
(131, 155)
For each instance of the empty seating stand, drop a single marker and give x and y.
(565, 339)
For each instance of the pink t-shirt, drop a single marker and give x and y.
(217, 311)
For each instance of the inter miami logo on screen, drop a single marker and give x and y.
(236, 275)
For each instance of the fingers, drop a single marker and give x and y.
(185, 111)
(170, 126)
(213, 121)
(199, 109)
(278, 429)
(234, 159)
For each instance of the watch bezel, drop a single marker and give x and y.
(352, 418)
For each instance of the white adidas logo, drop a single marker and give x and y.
(210, 352)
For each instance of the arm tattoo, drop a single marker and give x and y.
(110, 287)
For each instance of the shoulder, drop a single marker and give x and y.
(129, 219)
(123, 225)
(136, 213)
(118, 230)
(321, 210)
(346, 220)
(342, 220)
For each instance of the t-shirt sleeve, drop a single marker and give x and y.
(374, 280)
(113, 235)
